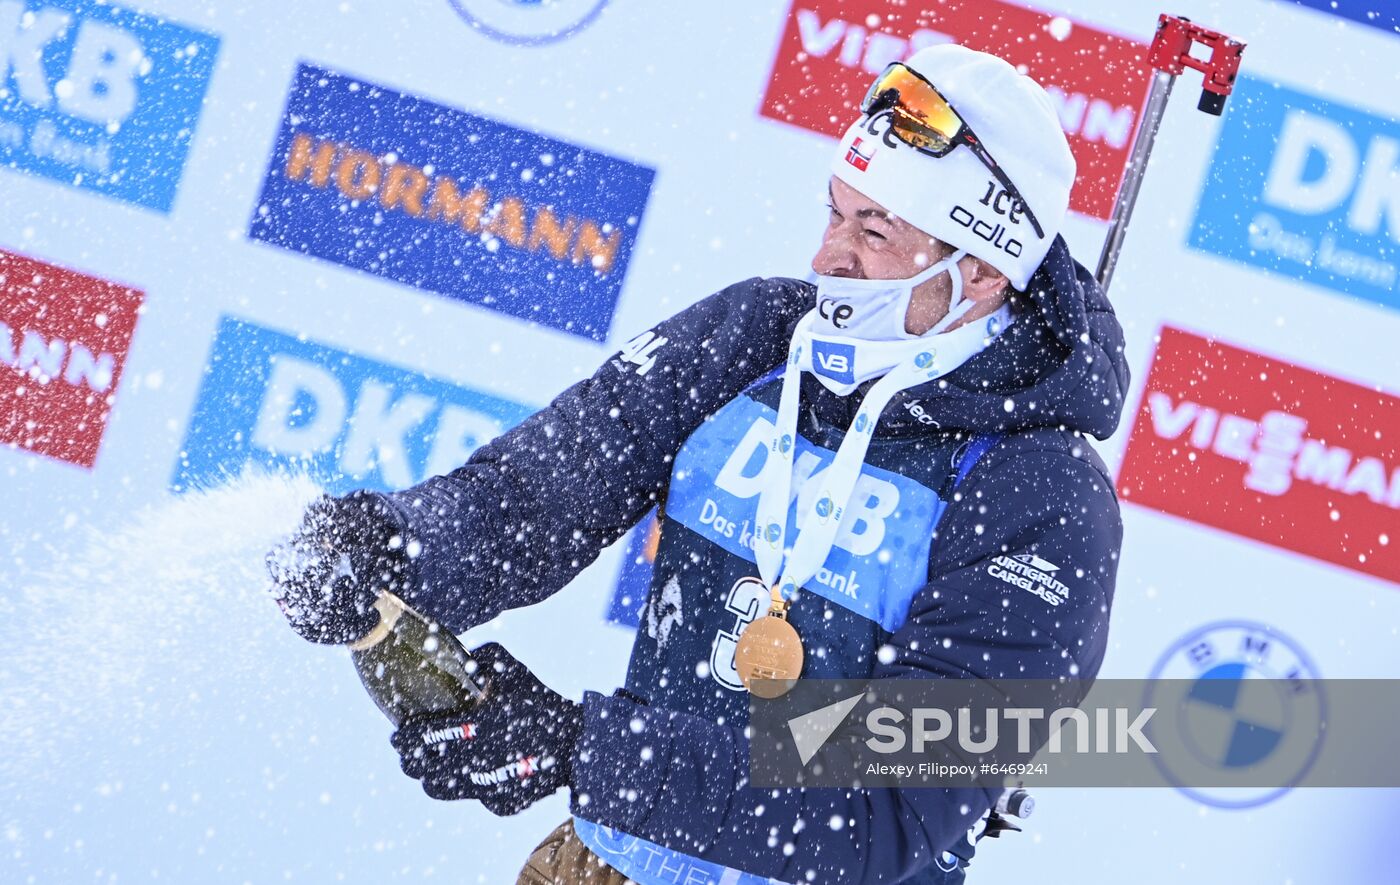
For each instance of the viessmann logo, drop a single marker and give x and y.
(100, 97)
(831, 49)
(1270, 451)
(63, 341)
(453, 203)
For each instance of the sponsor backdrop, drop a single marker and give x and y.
(360, 241)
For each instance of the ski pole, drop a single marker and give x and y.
(1169, 55)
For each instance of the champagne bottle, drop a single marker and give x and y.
(411, 666)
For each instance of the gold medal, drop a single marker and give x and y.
(769, 654)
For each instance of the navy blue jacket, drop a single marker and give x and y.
(667, 427)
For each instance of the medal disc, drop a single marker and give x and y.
(769, 657)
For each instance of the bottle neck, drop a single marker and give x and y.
(390, 609)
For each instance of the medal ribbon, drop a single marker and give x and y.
(928, 358)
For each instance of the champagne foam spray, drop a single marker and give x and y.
(175, 591)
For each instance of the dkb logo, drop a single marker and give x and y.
(100, 97)
(717, 481)
(1306, 188)
(278, 401)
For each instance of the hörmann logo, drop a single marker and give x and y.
(273, 400)
(99, 97)
(396, 186)
(1270, 451)
(378, 181)
(1308, 189)
(831, 49)
(63, 341)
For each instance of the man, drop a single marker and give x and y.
(940, 379)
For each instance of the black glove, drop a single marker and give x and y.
(327, 574)
(509, 751)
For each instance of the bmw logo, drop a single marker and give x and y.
(1246, 711)
(529, 22)
(924, 360)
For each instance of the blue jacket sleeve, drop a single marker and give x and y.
(680, 781)
(535, 506)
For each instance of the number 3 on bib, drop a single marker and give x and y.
(747, 600)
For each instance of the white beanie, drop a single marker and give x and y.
(944, 196)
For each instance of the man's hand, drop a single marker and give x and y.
(508, 751)
(327, 574)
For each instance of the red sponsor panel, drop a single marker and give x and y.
(831, 50)
(1285, 455)
(63, 340)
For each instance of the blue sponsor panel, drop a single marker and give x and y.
(1383, 14)
(99, 97)
(272, 400)
(452, 203)
(880, 557)
(1305, 188)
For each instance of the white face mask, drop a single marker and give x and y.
(875, 310)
